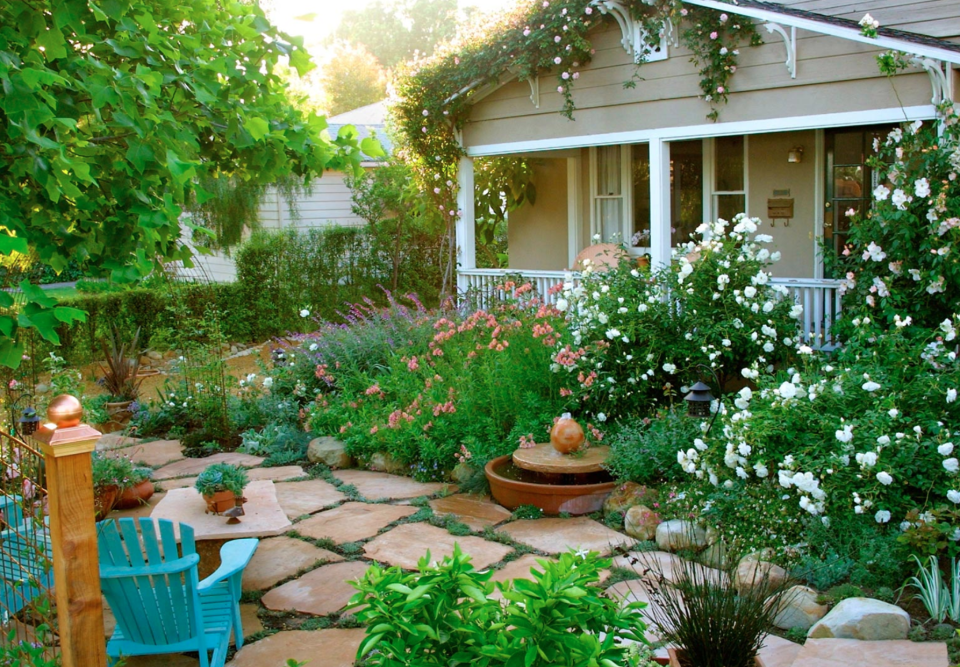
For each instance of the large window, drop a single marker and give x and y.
(621, 188)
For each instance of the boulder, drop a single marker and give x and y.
(462, 472)
(627, 495)
(715, 556)
(381, 462)
(863, 618)
(146, 361)
(154, 355)
(329, 451)
(751, 571)
(641, 522)
(799, 609)
(677, 534)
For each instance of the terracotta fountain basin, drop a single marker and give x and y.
(579, 493)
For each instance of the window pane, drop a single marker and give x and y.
(608, 170)
(848, 182)
(610, 214)
(641, 196)
(729, 205)
(729, 163)
(686, 188)
(848, 148)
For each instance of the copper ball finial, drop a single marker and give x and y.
(65, 411)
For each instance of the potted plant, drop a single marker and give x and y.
(221, 486)
(115, 476)
(120, 376)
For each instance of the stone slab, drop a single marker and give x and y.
(156, 453)
(519, 569)
(477, 512)
(544, 458)
(654, 563)
(384, 486)
(333, 647)
(633, 591)
(249, 620)
(407, 544)
(319, 592)
(279, 558)
(197, 466)
(352, 521)
(307, 497)
(178, 483)
(264, 517)
(778, 652)
(115, 440)
(888, 653)
(280, 474)
(554, 536)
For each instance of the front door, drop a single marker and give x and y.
(850, 180)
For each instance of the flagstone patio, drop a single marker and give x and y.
(299, 580)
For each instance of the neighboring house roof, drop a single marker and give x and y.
(933, 18)
(368, 120)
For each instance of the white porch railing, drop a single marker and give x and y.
(820, 298)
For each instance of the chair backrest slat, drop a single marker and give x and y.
(168, 540)
(122, 594)
(171, 604)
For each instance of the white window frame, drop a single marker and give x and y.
(625, 196)
(710, 193)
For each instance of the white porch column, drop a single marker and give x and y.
(659, 203)
(466, 227)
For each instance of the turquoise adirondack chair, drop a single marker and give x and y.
(152, 586)
(26, 568)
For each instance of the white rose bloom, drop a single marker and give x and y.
(951, 465)
(953, 496)
(921, 187)
(304, 313)
(893, 412)
(951, 395)
(601, 417)
(750, 291)
(267, 382)
(883, 440)
(884, 478)
(881, 192)
(669, 368)
(760, 470)
(846, 435)
(870, 386)
(562, 305)
(883, 516)
(775, 256)
(946, 449)
(313, 347)
(788, 390)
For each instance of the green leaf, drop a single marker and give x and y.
(372, 147)
(369, 644)
(140, 155)
(11, 353)
(11, 244)
(257, 127)
(300, 61)
(53, 43)
(182, 171)
(531, 655)
(69, 315)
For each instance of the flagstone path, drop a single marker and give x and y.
(296, 586)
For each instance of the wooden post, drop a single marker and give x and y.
(73, 534)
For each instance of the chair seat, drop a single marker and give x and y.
(216, 606)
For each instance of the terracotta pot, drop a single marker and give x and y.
(104, 500)
(566, 435)
(220, 501)
(135, 496)
(551, 498)
(676, 655)
(119, 412)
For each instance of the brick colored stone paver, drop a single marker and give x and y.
(197, 466)
(306, 497)
(383, 486)
(554, 536)
(179, 483)
(249, 620)
(477, 512)
(279, 558)
(156, 453)
(352, 521)
(519, 569)
(263, 516)
(114, 440)
(888, 653)
(280, 474)
(407, 544)
(655, 563)
(320, 592)
(322, 648)
(778, 652)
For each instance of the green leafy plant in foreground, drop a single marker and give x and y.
(444, 614)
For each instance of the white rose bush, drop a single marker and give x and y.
(636, 337)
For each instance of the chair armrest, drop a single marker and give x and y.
(234, 556)
(170, 567)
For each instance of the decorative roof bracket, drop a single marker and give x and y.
(634, 38)
(534, 82)
(789, 41)
(939, 79)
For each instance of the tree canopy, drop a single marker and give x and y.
(112, 113)
(351, 78)
(392, 30)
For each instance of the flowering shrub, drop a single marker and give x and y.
(900, 260)
(441, 388)
(635, 337)
(869, 433)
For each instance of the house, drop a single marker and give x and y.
(643, 165)
(327, 204)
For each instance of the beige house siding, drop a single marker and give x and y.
(833, 76)
(327, 205)
(537, 235)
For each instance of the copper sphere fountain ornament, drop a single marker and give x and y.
(556, 476)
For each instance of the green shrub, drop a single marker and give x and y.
(445, 614)
(645, 450)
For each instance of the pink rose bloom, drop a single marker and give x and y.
(714, 35)
(720, 89)
(559, 89)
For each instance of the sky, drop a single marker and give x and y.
(285, 13)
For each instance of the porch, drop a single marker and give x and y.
(820, 298)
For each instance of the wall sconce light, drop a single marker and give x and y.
(795, 155)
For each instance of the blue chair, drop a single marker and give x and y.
(26, 566)
(152, 586)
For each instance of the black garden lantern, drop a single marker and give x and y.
(699, 400)
(29, 422)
